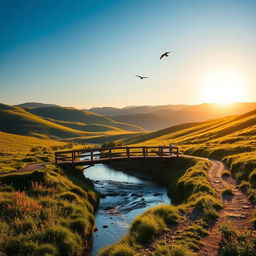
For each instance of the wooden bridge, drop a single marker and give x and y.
(91, 156)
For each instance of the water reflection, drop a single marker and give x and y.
(124, 197)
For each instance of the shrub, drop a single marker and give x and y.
(237, 243)
(120, 249)
(79, 226)
(168, 213)
(65, 241)
(173, 250)
(227, 192)
(46, 249)
(252, 177)
(145, 227)
(70, 196)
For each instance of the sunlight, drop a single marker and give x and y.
(223, 87)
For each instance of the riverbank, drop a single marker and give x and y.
(46, 212)
(167, 228)
(123, 197)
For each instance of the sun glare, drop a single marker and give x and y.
(224, 87)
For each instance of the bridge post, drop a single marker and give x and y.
(73, 156)
(170, 149)
(56, 158)
(161, 151)
(177, 152)
(128, 152)
(144, 152)
(109, 154)
(91, 156)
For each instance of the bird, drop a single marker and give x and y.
(141, 77)
(164, 55)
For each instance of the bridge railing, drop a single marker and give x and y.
(89, 155)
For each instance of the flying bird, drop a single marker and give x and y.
(164, 55)
(141, 77)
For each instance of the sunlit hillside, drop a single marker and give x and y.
(231, 139)
(16, 120)
(159, 117)
(75, 115)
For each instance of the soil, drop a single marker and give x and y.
(237, 210)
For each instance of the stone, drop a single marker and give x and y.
(105, 226)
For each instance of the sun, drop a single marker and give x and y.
(223, 86)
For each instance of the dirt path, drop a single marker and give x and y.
(28, 168)
(237, 210)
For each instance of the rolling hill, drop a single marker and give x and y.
(16, 120)
(231, 139)
(82, 116)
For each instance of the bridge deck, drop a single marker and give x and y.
(91, 156)
(104, 160)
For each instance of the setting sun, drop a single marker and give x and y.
(223, 86)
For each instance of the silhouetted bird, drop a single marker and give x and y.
(164, 55)
(141, 77)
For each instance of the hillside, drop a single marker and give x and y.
(159, 117)
(82, 116)
(148, 121)
(16, 120)
(110, 111)
(231, 139)
(35, 105)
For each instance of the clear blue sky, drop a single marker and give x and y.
(86, 53)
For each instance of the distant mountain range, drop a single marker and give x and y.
(133, 118)
(159, 117)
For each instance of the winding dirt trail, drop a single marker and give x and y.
(27, 168)
(237, 210)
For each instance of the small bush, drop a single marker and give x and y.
(227, 192)
(168, 213)
(173, 250)
(252, 177)
(46, 249)
(79, 226)
(70, 196)
(120, 249)
(145, 227)
(237, 243)
(226, 174)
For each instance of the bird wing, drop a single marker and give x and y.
(139, 76)
(167, 52)
(162, 56)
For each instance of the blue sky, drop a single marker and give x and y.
(87, 53)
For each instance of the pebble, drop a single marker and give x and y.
(105, 226)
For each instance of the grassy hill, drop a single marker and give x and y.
(82, 116)
(231, 139)
(16, 120)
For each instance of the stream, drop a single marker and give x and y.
(124, 197)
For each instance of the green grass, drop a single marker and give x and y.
(230, 139)
(46, 212)
(237, 243)
(187, 185)
(60, 123)
(17, 151)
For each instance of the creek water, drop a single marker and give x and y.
(123, 198)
